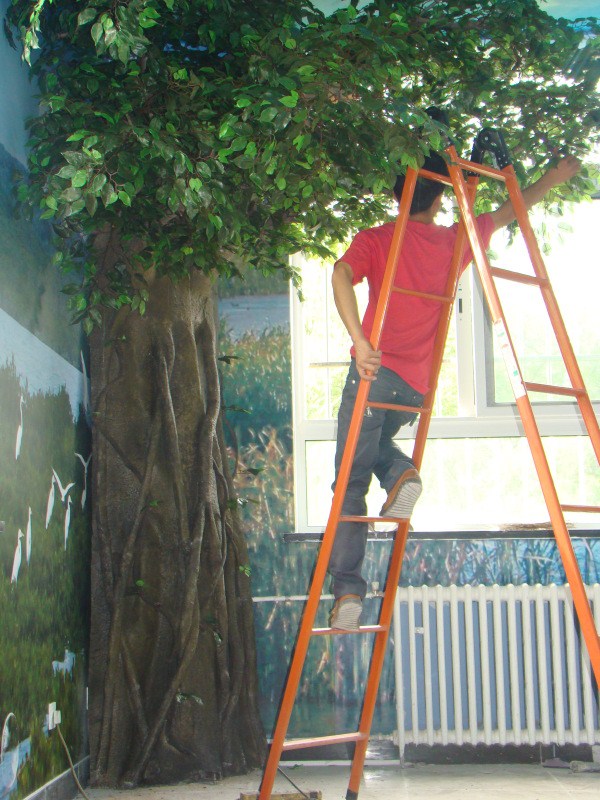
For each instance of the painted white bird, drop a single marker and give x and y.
(28, 537)
(67, 520)
(19, 430)
(65, 491)
(85, 474)
(66, 665)
(17, 558)
(4, 741)
(50, 503)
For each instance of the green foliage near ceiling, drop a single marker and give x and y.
(226, 135)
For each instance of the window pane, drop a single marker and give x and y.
(576, 283)
(471, 482)
(493, 482)
(326, 348)
(326, 345)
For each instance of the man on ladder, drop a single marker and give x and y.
(400, 369)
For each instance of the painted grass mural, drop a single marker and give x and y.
(43, 582)
(44, 530)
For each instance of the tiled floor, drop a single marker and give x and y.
(489, 782)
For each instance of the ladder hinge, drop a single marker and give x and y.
(491, 140)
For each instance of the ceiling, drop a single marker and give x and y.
(558, 8)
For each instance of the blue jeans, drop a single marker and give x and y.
(376, 454)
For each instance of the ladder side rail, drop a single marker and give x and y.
(393, 258)
(556, 319)
(531, 429)
(313, 599)
(395, 564)
(322, 562)
(377, 657)
(561, 534)
(442, 331)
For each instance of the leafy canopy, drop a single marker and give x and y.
(226, 135)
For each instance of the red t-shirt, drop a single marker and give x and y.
(411, 322)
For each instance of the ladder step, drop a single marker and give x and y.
(441, 298)
(393, 407)
(518, 277)
(361, 629)
(548, 389)
(319, 741)
(585, 509)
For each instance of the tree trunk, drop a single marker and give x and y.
(173, 687)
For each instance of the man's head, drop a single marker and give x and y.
(426, 191)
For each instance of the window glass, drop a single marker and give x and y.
(470, 482)
(571, 263)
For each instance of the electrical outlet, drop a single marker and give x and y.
(54, 716)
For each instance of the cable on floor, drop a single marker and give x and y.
(297, 788)
(73, 772)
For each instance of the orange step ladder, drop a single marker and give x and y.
(464, 188)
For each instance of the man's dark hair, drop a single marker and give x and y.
(425, 190)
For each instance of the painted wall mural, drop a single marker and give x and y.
(44, 466)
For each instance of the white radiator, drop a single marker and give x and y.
(493, 665)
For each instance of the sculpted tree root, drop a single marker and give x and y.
(173, 688)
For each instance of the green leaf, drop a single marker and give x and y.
(80, 178)
(91, 203)
(124, 198)
(87, 15)
(77, 136)
(243, 102)
(97, 32)
(71, 194)
(290, 101)
(226, 131)
(98, 183)
(108, 195)
(268, 114)
(66, 172)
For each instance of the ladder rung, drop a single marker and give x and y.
(392, 407)
(435, 176)
(361, 629)
(479, 169)
(396, 520)
(548, 389)
(585, 509)
(441, 298)
(519, 277)
(318, 741)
